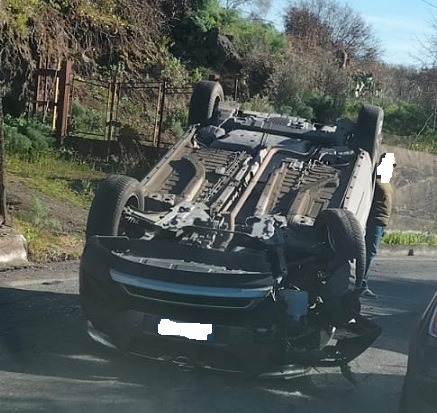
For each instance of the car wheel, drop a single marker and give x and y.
(344, 235)
(368, 129)
(204, 103)
(106, 213)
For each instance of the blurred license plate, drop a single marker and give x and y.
(193, 331)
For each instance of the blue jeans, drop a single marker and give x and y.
(373, 238)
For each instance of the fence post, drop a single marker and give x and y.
(56, 96)
(112, 98)
(235, 88)
(63, 100)
(157, 117)
(161, 112)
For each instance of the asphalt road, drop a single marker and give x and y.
(48, 364)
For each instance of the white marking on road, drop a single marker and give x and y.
(382, 311)
(294, 394)
(84, 357)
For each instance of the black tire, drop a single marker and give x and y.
(367, 135)
(343, 233)
(204, 104)
(112, 196)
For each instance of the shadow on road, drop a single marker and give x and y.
(399, 306)
(48, 364)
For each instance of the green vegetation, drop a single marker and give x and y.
(408, 125)
(228, 42)
(39, 218)
(19, 13)
(33, 161)
(32, 157)
(65, 180)
(44, 245)
(255, 38)
(85, 121)
(27, 138)
(409, 238)
(258, 104)
(176, 120)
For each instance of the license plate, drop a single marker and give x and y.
(192, 331)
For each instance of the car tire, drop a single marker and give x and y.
(112, 196)
(344, 235)
(367, 135)
(204, 104)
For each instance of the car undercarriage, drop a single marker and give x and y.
(249, 231)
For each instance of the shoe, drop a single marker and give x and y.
(367, 292)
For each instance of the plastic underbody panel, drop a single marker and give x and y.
(285, 183)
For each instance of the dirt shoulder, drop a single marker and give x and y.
(20, 198)
(53, 228)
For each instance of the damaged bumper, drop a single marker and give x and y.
(240, 321)
(233, 349)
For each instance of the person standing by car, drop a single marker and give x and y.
(379, 215)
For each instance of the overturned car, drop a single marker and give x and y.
(239, 250)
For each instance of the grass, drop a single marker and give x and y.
(426, 144)
(409, 238)
(44, 245)
(65, 180)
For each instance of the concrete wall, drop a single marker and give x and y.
(414, 190)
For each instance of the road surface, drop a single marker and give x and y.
(48, 364)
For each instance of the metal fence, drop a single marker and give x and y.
(150, 112)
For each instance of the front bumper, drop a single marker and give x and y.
(235, 349)
(246, 338)
(232, 349)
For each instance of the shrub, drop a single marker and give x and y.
(39, 217)
(403, 118)
(85, 120)
(176, 120)
(258, 104)
(27, 137)
(323, 106)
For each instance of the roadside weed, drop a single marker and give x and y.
(410, 238)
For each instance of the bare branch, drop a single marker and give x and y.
(333, 26)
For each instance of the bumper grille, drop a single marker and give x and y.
(190, 300)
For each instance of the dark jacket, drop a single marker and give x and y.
(382, 204)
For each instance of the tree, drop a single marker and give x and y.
(332, 26)
(255, 7)
(428, 56)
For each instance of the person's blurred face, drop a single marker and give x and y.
(385, 167)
